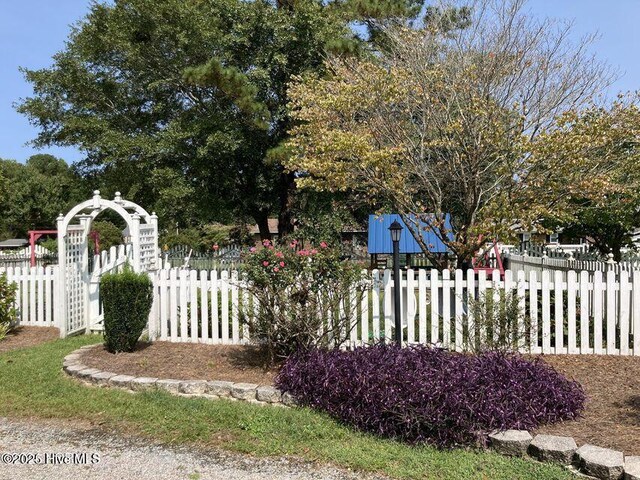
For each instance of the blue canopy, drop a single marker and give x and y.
(380, 236)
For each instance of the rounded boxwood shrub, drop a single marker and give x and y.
(421, 394)
(126, 302)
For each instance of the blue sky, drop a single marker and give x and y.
(31, 31)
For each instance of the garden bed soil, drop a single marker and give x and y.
(22, 337)
(612, 414)
(186, 361)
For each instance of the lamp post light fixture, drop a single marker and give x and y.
(396, 232)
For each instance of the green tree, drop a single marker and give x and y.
(109, 234)
(35, 193)
(609, 136)
(198, 88)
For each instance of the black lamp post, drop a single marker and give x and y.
(396, 231)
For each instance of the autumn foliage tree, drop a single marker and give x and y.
(444, 121)
(605, 205)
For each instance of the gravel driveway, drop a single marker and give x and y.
(120, 457)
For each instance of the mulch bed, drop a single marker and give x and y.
(612, 414)
(186, 361)
(22, 337)
(611, 418)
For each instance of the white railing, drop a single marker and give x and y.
(565, 264)
(36, 295)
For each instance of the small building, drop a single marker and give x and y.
(13, 243)
(379, 243)
(254, 231)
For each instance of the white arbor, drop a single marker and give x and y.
(73, 255)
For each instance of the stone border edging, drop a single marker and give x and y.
(597, 462)
(248, 392)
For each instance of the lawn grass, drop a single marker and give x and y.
(32, 384)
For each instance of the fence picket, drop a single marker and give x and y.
(598, 291)
(184, 305)
(471, 295)
(364, 315)
(446, 308)
(224, 299)
(611, 312)
(435, 317)
(534, 343)
(173, 302)
(193, 305)
(521, 326)
(584, 312)
(235, 326)
(387, 305)
(459, 311)
(558, 321)
(571, 312)
(375, 305)
(422, 306)
(204, 307)
(40, 296)
(164, 304)
(215, 318)
(546, 312)
(410, 307)
(624, 314)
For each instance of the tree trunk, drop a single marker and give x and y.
(262, 219)
(287, 192)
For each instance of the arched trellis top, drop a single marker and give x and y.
(73, 253)
(98, 204)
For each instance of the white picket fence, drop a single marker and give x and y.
(22, 258)
(589, 314)
(565, 312)
(36, 295)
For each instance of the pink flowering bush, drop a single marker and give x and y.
(307, 297)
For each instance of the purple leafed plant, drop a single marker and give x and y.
(420, 394)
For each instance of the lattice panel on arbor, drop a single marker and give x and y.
(75, 284)
(148, 247)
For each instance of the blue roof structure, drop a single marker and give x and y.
(380, 238)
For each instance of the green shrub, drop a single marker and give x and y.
(306, 297)
(126, 298)
(498, 323)
(7, 301)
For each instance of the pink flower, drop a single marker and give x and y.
(303, 252)
(276, 269)
(215, 246)
(323, 245)
(252, 249)
(279, 254)
(265, 263)
(266, 243)
(314, 251)
(282, 264)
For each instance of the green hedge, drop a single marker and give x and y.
(126, 300)
(7, 300)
